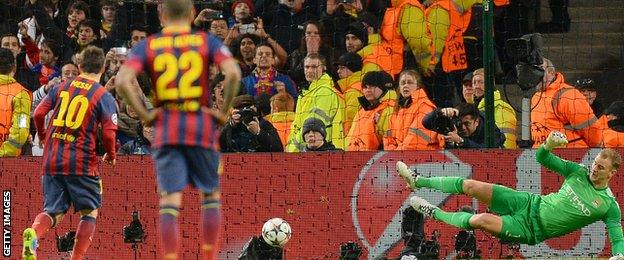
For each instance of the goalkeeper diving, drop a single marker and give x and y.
(528, 218)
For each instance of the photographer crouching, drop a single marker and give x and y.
(462, 127)
(247, 131)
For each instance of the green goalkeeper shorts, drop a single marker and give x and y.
(518, 209)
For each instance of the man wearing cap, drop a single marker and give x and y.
(372, 121)
(614, 114)
(349, 68)
(314, 136)
(246, 131)
(356, 37)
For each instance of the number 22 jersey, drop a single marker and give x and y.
(177, 61)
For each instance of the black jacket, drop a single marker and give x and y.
(327, 146)
(236, 138)
(434, 120)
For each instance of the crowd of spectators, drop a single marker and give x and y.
(348, 75)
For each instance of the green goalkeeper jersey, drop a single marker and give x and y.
(577, 203)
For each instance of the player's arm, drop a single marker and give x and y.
(40, 113)
(551, 161)
(130, 92)
(613, 220)
(231, 82)
(107, 107)
(18, 133)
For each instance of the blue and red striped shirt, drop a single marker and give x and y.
(178, 61)
(80, 107)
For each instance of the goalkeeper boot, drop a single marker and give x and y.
(30, 244)
(423, 206)
(408, 175)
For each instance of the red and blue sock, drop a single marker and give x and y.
(84, 235)
(211, 224)
(169, 234)
(43, 223)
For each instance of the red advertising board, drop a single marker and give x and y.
(328, 199)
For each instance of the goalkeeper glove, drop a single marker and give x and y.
(555, 139)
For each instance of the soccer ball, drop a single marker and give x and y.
(276, 232)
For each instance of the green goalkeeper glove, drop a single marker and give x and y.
(555, 139)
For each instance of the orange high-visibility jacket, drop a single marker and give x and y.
(388, 53)
(453, 55)
(613, 139)
(369, 126)
(282, 122)
(563, 108)
(351, 88)
(406, 131)
(501, 2)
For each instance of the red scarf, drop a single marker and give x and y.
(264, 84)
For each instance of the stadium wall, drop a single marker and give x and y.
(328, 198)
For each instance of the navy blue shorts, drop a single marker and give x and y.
(179, 166)
(84, 192)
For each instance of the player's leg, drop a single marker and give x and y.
(203, 174)
(56, 203)
(465, 220)
(210, 224)
(511, 228)
(453, 185)
(172, 178)
(170, 204)
(86, 194)
(84, 233)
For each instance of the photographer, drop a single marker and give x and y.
(247, 131)
(462, 127)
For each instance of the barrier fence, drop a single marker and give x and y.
(328, 199)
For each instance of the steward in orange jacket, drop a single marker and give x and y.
(282, 114)
(406, 130)
(403, 21)
(447, 26)
(561, 107)
(372, 121)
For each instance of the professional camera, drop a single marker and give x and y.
(466, 244)
(431, 248)
(65, 243)
(350, 251)
(258, 249)
(247, 115)
(526, 51)
(134, 232)
(444, 125)
(509, 249)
